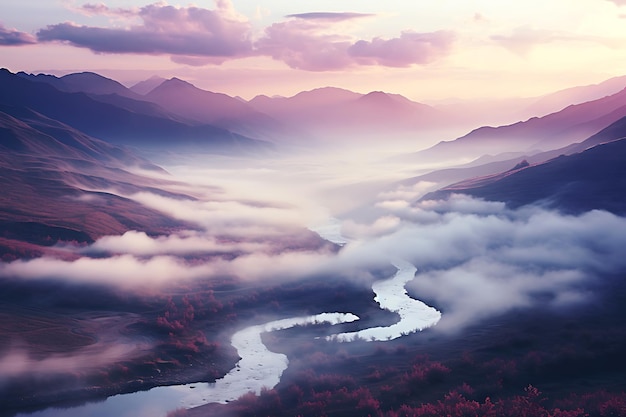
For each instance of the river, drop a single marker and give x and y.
(259, 367)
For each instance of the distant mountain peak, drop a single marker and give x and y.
(376, 93)
(377, 97)
(84, 74)
(146, 86)
(178, 81)
(174, 85)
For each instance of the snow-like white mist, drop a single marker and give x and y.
(254, 220)
(474, 258)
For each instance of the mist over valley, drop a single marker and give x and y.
(299, 238)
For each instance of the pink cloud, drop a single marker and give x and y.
(410, 48)
(299, 44)
(303, 44)
(524, 38)
(13, 37)
(198, 36)
(101, 9)
(186, 31)
(331, 16)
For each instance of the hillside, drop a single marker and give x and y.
(55, 183)
(117, 123)
(592, 179)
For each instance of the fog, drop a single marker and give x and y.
(250, 220)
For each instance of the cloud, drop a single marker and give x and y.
(475, 259)
(481, 288)
(409, 49)
(198, 36)
(331, 16)
(525, 38)
(409, 192)
(13, 37)
(619, 2)
(17, 362)
(478, 259)
(301, 45)
(179, 244)
(305, 44)
(101, 9)
(179, 31)
(231, 217)
(480, 18)
(131, 272)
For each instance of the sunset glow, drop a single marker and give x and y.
(424, 50)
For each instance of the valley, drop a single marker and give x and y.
(229, 211)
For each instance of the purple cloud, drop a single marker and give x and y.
(330, 16)
(189, 31)
(197, 36)
(300, 44)
(13, 37)
(410, 48)
(103, 10)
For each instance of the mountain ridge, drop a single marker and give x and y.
(115, 123)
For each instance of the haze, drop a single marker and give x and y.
(346, 208)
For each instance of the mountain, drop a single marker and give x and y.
(556, 101)
(312, 101)
(184, 98)
(333, 112)
(107, 119)
(83, 82)
(487, 166)
(504, 111)
(488, 169)
(144, 87)
(190, 102)
(54, 183)
(570, 125)
(592, 179)
(102, 89)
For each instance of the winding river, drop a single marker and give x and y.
(391, 295)
(259, 367)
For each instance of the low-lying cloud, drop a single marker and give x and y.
(477, 259)
(178, 244)
(132, 272)
(17, 362)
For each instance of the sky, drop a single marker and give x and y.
(425, 50)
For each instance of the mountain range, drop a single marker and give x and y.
(586, 176)
(163, 113)
(338, 114)
(205, 107)
(117, 118)
(64, 143)
(572, 124)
